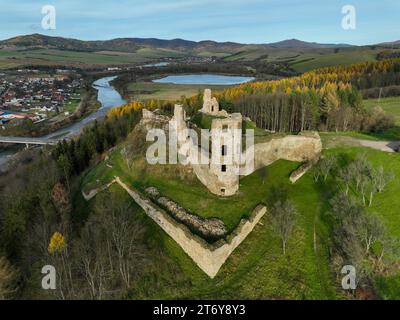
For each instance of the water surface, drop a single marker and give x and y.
(107, 96)
(201, 79)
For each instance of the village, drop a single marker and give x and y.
(34, 95)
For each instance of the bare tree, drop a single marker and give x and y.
(382, 178)
(361, 168)
(316, 173)
(346, 176)
(327, 165)
(90, 254)
(364, 185)
(8, 275)
(283, 220)
(122, 232)
(370, 231)
(389, 254)
(127, 155)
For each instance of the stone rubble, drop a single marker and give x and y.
(208, 228)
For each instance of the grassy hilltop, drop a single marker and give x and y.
(257, 269)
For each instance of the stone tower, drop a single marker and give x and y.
(178, 123)
(210, 104)
(226, 137)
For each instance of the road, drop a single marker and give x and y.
(385, 146)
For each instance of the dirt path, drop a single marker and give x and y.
(385, 146)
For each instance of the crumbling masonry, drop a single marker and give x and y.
(228, 160)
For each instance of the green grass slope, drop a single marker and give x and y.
(257, 269)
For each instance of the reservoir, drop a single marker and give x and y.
(205, 79)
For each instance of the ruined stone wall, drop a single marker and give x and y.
(152, 120)
(211, 105)
(209, 172)
(209, 258)
(226, 132)
(304, 147)
(178, 124)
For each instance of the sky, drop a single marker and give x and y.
(244, 21)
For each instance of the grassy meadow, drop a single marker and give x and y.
(300, 59)
(166, 91)
(312, 61)
(390, 105)
(11, 58)
(257, 269)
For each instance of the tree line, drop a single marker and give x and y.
(327, 99)
(360, 238)
(37, 192)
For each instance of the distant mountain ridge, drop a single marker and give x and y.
(391, 44)
(133, 44)
(295, 43)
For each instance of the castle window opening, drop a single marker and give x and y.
(224, 150)
(223, 168)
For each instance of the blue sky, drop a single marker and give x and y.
(246, 21)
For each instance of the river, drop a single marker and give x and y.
(106, 95)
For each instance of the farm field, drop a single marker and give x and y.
(312, 61)
(54, 57)
(301, 60)
(166, 91)
(389, 105)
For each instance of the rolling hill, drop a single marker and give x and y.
(132, 44)
(294, 43)
(301, 56)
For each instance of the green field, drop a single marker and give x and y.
(343, 57)
(257, 269)
(72, 104)
(389, 105)
(102, 58)
(300, 59)
(303, 60)
(166, 91)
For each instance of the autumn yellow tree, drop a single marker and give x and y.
(57, 243)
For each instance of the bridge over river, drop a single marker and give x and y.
(28, 141)
(108, 98)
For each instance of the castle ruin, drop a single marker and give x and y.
(211, 105)
(228, 161)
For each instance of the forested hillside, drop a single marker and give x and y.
(327, 99)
